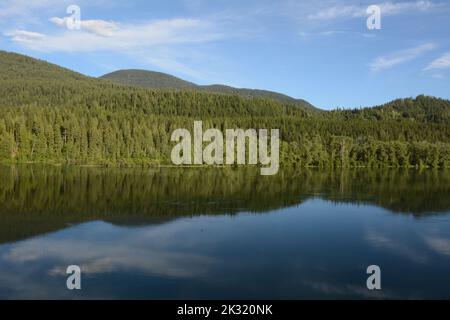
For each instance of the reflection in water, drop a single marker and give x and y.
(169, 233)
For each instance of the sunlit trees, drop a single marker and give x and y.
(50, 114)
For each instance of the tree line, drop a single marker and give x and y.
(52, 115)
(91, 127)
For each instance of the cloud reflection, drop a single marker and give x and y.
(95, 254)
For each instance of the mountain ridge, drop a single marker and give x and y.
(53, 115)
(19, 67)
(159, 80)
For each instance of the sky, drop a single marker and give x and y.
(320, 51)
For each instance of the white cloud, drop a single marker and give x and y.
(99, 27)
(96, 35)
(400, 57)
(354, 11)
(26, 37)
(166, 44)
(160, 43)
(442, 62)
(336, 12)
(391, 8)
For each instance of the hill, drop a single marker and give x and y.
(422, 109)
(51, 114)
(148, 79)
(15, 66)
(151, 79)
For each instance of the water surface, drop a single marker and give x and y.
(223, 233)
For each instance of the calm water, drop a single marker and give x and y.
(223, 233)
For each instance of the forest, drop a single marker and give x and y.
(53, 115)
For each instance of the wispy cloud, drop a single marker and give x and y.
(24, 275)
(96, 35)
(355, 11)
(171, 44)
(391, 8)
(99, 27)
(400, 57)
(379, 240)
(155, 42)
(25, 37)
(442, 62)
(337, 12)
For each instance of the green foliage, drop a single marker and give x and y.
(153, 80)
(148, 79)
(421, 109)
(53, 115)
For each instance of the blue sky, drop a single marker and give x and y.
(321, 51)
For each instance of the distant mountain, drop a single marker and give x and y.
(151, 79)
(148, 79)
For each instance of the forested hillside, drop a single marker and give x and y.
(420, 109)
(158, 80)
(148, 79)
(51, 114)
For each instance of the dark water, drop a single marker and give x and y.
(223, 233)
